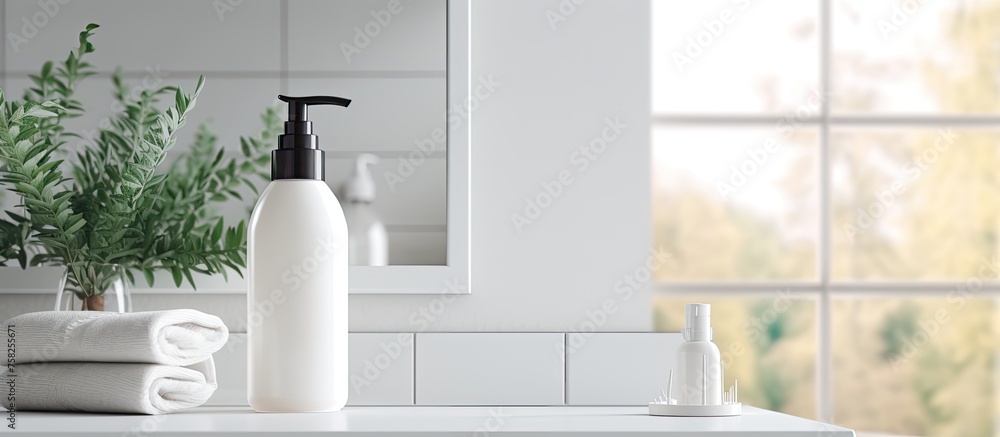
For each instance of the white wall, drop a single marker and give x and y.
(558, 85)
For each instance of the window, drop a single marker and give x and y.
(825, 173)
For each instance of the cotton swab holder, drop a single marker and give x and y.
(665, 405)
(700, 374)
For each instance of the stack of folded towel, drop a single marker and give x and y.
(147, 362)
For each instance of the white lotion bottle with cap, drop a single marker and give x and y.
(297, 278)
(369, 241)
(699, 364)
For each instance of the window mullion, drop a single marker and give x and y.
(824, 362)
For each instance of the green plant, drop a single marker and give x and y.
(112, 206)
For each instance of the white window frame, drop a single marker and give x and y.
(823, 289)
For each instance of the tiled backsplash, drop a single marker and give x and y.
(490, 368)
(610, 368)
(487, 368)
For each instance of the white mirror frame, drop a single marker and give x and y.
(453, 278)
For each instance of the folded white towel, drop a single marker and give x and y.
(174, 337)
(112, 387)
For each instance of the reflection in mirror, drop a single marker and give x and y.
(386, 155)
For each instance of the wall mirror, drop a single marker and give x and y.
(405, 65)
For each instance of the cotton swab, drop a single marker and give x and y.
(670, 386)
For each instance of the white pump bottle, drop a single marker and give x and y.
(699, 364)
(297, 276)
(369, 242)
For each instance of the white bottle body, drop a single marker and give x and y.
(297, 299)
(699, 374)
(369, 242)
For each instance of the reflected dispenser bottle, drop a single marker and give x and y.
(369, 242)
(699, 364)
(297, 275)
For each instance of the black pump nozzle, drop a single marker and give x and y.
(298, 106)
(298, 155)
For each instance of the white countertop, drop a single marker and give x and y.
(428, 421)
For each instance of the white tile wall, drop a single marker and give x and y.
(3, 51)
(15, 304)
(380, 365)
(3, 47)
(178, 35)
(401, 43)
(231, 308)
(489, 368)
(385, 114)
(618, 368)
(230, 106)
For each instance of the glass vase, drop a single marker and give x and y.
(94, 287)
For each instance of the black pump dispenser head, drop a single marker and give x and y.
(298, 155)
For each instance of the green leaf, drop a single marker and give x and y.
(218, 157)
(187, 275)
(201, 84)
(40, 112)
(178, 278)
(76, 227)
(188, 225)
(217, 231)
(22, 258)
(28, 190)
(115, 257)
